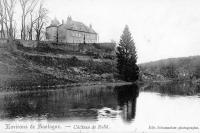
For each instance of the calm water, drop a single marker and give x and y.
(158, 105)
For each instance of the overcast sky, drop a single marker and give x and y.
(161, 28)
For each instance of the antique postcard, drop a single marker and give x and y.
(99, 66)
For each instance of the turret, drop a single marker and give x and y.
(69, 19)
(55, 22)
(90, 26)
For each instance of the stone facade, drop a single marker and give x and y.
(51, 33)
(70, 32)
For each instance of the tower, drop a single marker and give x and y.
(69, 19)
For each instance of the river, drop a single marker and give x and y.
(152, 108)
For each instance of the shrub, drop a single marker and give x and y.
(100, 67)
(74, 61)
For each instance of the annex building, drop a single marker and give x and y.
(70, 32)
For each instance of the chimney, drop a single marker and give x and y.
(69, 19)
(90, 26)
(63, 22)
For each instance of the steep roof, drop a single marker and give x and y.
(78, 26)
(73, 25)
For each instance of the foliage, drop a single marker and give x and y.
(107, 47)
(74, 61)
(62, 63)
(169, 71)
(174, 68)
(127, 57)
(99, 67)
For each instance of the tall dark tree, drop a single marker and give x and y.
(127, 57)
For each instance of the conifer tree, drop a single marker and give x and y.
(127, 57)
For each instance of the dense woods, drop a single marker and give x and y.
(185, 68)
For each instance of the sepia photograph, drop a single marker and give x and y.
(99, 66)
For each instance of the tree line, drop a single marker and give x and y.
(33, 19)
(175, 68)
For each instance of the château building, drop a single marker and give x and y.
(70, 32)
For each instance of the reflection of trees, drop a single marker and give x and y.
(174, 88)
(23, 105)
(72, 103)
(126, 96)
(78, 103)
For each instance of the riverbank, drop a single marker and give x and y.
(33, 89)
(173, 88)
(25, 70)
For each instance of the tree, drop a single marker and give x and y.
(127, 57)
(7, 10)
(27, 7)
(40, 22)
(169, 71)
(9, 6)
(30, 27)
(2, 17)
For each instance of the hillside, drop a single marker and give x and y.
(34, 69)
(18, 73)
(184, 68)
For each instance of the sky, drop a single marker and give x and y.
(160, 28)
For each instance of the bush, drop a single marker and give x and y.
(100, 67)
(74, 61)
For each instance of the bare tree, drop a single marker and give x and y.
(30, 28)
(14, 30)
(8, 9)
(2, 17)
(27, 7)
(32, 22)
(9, 6)
(41, 21)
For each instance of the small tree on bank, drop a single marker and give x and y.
(127, 57)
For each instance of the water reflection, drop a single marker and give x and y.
(126, 96)
(173, 88)
(81, 103)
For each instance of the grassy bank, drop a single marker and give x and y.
(25, 68)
